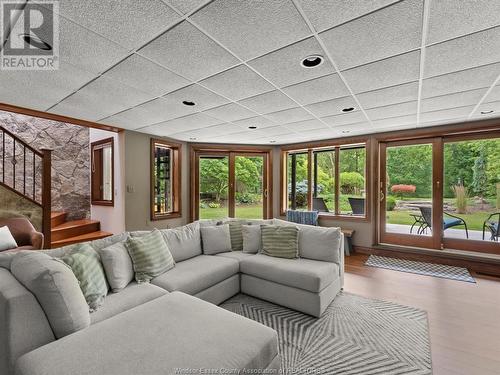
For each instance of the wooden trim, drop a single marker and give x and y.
(176, 177)
(60, 118)
(437, 193)
(46, 196)
(472, 245)
(310, 179)
(283, 182)
(232, 183)
(93, 201)
(336, 205)
(200, 147)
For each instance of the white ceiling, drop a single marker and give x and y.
(399, 64)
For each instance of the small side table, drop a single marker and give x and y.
(348, 233)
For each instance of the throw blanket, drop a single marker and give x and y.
(302, 217)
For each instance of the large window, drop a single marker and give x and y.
(101, 153)
(330, 180)
(165, 180)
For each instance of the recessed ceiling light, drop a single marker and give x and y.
(272, 141)
(487, 112)
(345, 131)
(312, 61)
(192, 139)
(35, 41)
(348, 109)
(187, 102)
(252, 127)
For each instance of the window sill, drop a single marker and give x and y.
(172, 215)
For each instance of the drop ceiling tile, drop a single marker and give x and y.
(269, 132)
(138, 72)
(259, 121)
(318, 89)
(445, 116)
(283, 67)
(462, 53)
(252, 28)
(347, 118)
(332, 107)
(202, 98)
(324, 14)
(494, 95)
(486, 108)
(222, 129)
(393, 30)
(18, 87)
(458, 99)
(289, 115)
(131, 23)
(306, 125)
(230, 112)
(389, 72)
(269, 102)
(389, 95)
(100, 98)
(238, 83)
(394, 110)
(86, 50)
(182, 124)
(450, 18)
(395, 121)
(189, 52)
(186, 6)
(152, 112)
(460, 81)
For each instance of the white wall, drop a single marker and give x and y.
(112, 218)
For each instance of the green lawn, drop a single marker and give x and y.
(242, 212)
(474, 221)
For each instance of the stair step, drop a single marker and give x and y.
(74, 228)
(81, 238)
(57, 218)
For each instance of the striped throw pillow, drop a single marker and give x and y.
(280, 241)
(85, 263)
(236, 234)
(150, 256)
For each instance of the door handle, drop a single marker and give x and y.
(382, 196)
(265, 193)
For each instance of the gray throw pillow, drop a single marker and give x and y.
(251, 238)
(118, 266)
(280, 241)
(85, 263)
(216, 239)
(150, 256)
(184, 242)
(56, 289)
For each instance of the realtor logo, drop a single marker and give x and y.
(30, 33)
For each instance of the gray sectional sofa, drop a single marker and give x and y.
(173, 322)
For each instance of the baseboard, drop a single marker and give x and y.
(485, 265)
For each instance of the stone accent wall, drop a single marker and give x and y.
(70, 159)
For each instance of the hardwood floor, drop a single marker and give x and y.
(464, 318)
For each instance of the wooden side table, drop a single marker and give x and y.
(348, 233)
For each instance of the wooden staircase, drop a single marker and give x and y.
(65, 232)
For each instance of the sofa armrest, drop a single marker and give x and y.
(37, 240)
(23, 325)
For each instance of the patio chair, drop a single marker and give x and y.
(320, 205)
(357, 205)
(448, 222)
(493, 226)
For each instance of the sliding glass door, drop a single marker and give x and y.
(213, 186)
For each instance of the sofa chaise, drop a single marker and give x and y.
(173, 322)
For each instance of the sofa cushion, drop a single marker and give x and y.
(118, 266)
(131, 296)
(56, 289)
(172, 332)
(150, 256)
(280, 241)
(251, 238)
(216, 239)
(311, 275)
(237, 255)
(7, 241)
(184, 242)
(196, 274)
(318, 243)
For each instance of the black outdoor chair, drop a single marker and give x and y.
(493, 226)
(357, 205)
(320, 205)
(448, 222)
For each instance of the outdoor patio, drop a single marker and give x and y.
(450, 233)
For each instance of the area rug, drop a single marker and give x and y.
(422, 268)
(355, 335)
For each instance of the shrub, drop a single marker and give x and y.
(390, 203)
(214, 205)
(351, 182)
(403, 189)
(461, 197)
(248, 198)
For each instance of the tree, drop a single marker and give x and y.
(214, 177)
(479, 177)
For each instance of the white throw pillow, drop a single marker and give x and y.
(7, 242)
(117, 265)
(251, 238)
(216, 239)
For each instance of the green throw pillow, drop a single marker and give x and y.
(236, 234)
(85, 263)
(150, 256)
(280, 241)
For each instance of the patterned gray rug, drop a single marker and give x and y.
(355, 335)
(421, 268)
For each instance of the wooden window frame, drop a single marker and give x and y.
(101, 202)
(176, 178)
(334, 145)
